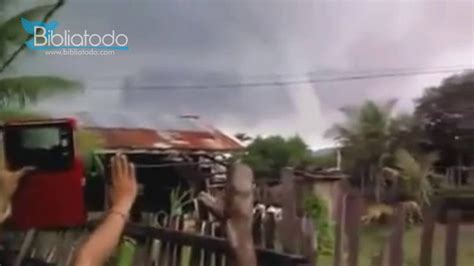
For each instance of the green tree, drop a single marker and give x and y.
(327, 160)
(324, 158)
(267, 156)
(407, 133)
(367, 138)
(17, 91)
(415, 175)
(446, 113)
(318, 210)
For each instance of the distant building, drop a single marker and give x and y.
(169, 153)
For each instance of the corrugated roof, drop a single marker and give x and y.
(215, 140)
(139, 120)
(128, 138)
(123, 131)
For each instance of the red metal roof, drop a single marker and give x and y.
(127, 138)
(137, 138)
(135, 131)
(195, 140)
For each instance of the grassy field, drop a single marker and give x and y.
(372, 239)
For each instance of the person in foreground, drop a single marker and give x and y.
(100, 245)
(104, 239)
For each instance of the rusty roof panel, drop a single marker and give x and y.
(197, 136)
(128, 138)
(115, 138)
(215, 140)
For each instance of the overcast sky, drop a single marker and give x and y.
(206, 42)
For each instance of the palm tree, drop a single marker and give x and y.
(407, 133)
(415, 174)
(17, 91)
(366, 138)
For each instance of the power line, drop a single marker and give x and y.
(395, 69)
(333, 72)
(280, 83)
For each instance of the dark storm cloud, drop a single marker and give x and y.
(212, 42)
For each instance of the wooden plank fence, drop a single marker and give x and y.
(286, 240)
(170, 241)
(347, 231)
(161, 246)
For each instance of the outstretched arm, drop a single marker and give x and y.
(102, 242)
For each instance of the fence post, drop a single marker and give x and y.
(269, 230)
(427, 236)
(196, 253)
(308, 243)
(352, 222)
(217, 232)
(452, 230)
(290, 226)
(339, 228)
(235, 212)
(257, 227)
(179, 226)
(207, 257)
(396, 238)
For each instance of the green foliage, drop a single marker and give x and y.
(87, 143)
(406, 132)
(179, 200)
(317, 209)
(369, 137)
(326, 160)
(446, 113)
(19, 114)
(20, 91)
(415, 173)
(365, 134)
(17, 92)
(267, 156)
(94, 166)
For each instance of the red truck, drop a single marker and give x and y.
(51, 196)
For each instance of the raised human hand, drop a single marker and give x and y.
(124, 184)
